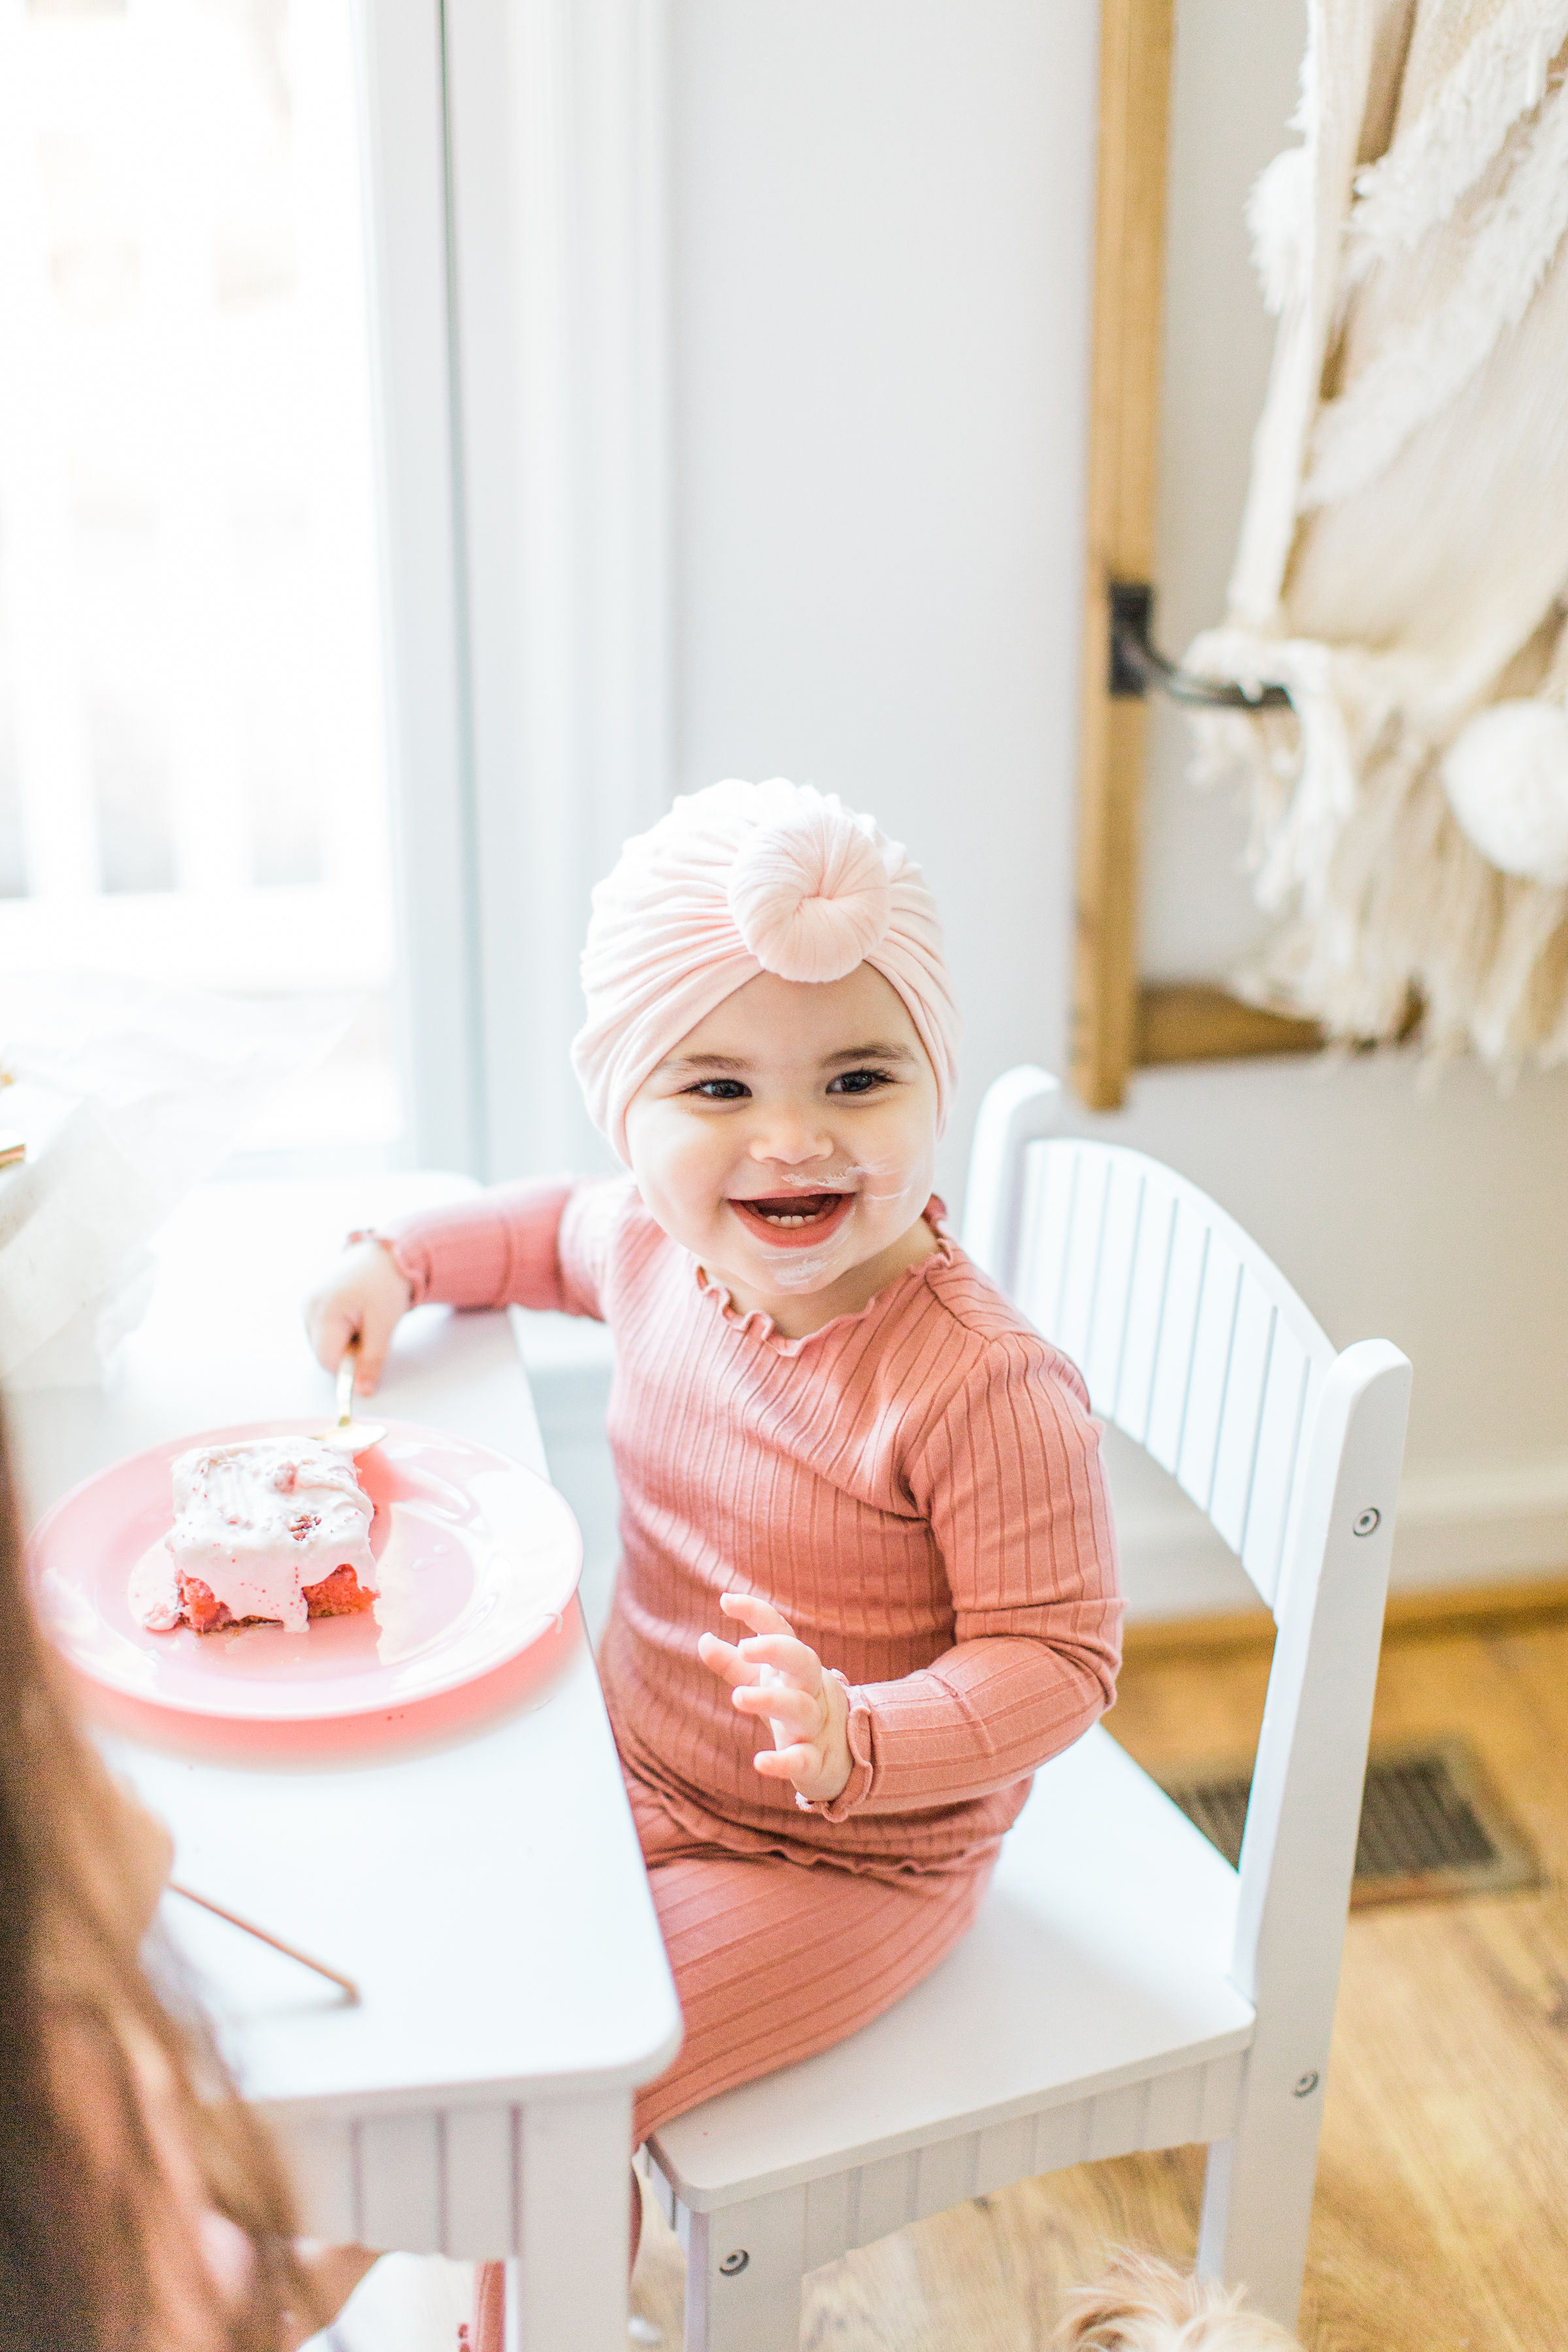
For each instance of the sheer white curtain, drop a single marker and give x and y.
(518, 217)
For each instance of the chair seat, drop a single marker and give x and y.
(1099, 1958)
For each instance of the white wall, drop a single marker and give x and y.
(881, 223)
(882, 214)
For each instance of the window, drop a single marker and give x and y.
(333, 489)
(193, 775)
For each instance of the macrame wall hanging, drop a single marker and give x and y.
(1403, 563)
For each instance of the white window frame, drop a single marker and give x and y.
(516, 165)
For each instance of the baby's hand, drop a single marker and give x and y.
(780, 1678)
(364, 1298)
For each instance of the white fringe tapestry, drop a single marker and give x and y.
(1403, 552)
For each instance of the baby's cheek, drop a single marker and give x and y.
(898, 1168)
(895, 1187)
(677, 1172)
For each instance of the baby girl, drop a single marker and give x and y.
(835, 1441)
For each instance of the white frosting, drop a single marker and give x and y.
(258, 1521)
(153, 1593)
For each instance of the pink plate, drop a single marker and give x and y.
(477, 1558)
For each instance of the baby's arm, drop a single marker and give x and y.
(1009, 1476)
(500, 1248)
(982, 1717)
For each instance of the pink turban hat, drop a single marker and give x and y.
(739, 879)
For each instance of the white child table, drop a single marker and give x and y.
(485, 1891)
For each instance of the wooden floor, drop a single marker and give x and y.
(1441, 2222)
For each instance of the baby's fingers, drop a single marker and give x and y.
(798, 1711)
(334, 1326)
(786, 1763)
(786, 1656)
(753, 1610)
(342, 1326)
(375, 1340)
(722, 1658)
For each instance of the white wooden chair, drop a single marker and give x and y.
(1122, 1987)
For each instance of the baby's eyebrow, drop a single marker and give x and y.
(872, 1053)
(703, 1062)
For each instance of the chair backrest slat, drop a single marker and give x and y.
(1213, 1330)
(1189, 1339)
(1236, 1454)
(1074, 1311)
(1178, 1335)
(1106, 1346)
(1281, 1424)
(1046, 1205)
(1128, 1403)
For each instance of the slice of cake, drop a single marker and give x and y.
(275, 1528)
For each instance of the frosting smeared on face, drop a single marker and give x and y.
(789, 1142)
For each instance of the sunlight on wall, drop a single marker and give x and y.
(192, 783)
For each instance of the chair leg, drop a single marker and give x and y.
(1258, 2198)
(743, 2271)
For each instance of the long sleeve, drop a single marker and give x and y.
(916, 1487)
(499, 1248)
(1011, 1479)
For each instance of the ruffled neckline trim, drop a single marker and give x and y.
(759, 1325)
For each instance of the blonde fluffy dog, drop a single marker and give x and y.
(1143, 2305)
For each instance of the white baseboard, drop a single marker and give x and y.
(1487, 1524)
(1481, 1524)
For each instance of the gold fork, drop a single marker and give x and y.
(354, 1436)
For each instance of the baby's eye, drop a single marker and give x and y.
(720, 1090)
(859, 1082)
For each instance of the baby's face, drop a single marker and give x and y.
(790, 1136)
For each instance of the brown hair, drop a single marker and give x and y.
(120, 2127)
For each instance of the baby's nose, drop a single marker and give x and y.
(790, 1142)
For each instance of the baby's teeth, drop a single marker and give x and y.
(787, 1217)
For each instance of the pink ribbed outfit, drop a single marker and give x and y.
(917, 1488)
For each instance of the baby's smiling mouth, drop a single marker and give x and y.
(791, 1213)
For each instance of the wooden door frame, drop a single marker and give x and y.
(1121, 1023)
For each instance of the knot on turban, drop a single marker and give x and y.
(810, 895)
(739, 879)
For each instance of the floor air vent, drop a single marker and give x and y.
(1431, 1824)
